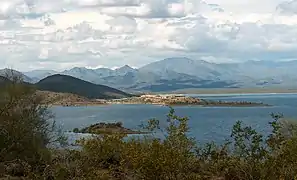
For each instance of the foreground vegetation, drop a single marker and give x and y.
(26, 133)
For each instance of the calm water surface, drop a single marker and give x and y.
(206, 123)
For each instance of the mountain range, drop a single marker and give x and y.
(183, 73)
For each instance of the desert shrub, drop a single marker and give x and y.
(99, 159)
(171, 158)
(250, 155)
(25, 129)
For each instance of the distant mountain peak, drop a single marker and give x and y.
(125, 67)
(124, 70)
(79, 68)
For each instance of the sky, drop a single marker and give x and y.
(61, 34)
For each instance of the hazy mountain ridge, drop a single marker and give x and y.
(179, 73)
(37, 75)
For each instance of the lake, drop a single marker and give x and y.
(206, 123)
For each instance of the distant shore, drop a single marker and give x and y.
(73, 104)
(158, 99)
(181, 100)
(234, 91)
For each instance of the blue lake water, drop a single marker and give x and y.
(206, 123)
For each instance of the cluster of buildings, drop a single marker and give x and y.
(168, 98)
(163, 96)
(158, 99)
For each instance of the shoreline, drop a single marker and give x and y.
(182, 100)
(233, 91)
(172, 105)
(240, 94)
(228, 104)
(79, 104)
(165, 100)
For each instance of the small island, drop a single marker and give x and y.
(178, 100)
(107, 128)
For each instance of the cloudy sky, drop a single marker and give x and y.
(60, 34)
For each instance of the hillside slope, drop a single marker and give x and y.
(64, 99)
(68, 84)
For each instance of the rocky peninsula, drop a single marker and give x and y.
(107, 128)
(178, 100)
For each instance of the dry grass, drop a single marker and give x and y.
(66, 99)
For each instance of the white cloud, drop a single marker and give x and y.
(288, 7)
(58, 34)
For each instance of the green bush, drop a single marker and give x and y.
(76, 130)
(25, 129)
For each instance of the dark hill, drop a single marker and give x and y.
(69, 84)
